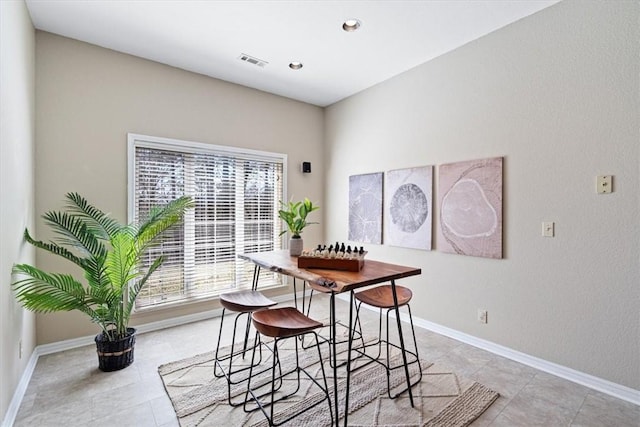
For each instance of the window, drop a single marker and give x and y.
(236, 194)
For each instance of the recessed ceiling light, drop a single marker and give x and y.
(295, 65)
(351, 25)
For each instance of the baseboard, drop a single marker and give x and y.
(616, 390)
(613, 389)
(21, 389)
(593, 382)
(146, 327)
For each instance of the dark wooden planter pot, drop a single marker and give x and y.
(115, 355)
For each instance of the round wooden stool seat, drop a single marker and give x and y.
(245, 301)
(382, 296)
(283, 322)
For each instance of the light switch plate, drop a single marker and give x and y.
(604, 184)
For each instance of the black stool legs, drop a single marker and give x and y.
(281, 324)
(233, 365)
(381, 297)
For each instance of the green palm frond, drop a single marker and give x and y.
(95, 272)
(75, 233)
(102, 295)
(121, 260)
(99, 223)
(160, 219)
(54, 249)
(45, 293)
(135, 289)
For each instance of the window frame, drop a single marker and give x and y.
(135, 140)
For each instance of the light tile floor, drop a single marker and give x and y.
(67, 389)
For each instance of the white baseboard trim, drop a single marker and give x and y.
(616, 390)
(21, 389)
(146, 327)
(613, 389)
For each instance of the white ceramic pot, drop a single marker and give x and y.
(295, 246)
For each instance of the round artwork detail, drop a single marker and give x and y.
(409, 208)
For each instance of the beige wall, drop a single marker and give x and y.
(88, 98)
(557, 95)
(17, 115)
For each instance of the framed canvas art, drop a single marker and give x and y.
(365, 208)
(470, 205)
(408, 207)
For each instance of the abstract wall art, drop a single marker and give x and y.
(408, 207)
(365, 208)
(470, 203)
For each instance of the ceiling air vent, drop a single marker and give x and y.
(252, 60)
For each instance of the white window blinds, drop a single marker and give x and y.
(236, 194)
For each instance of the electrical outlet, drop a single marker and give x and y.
(483, 316)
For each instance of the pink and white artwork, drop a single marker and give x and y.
(408, 195)
(470, 203)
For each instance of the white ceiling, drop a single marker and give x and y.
(207, 37)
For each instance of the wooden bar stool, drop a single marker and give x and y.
(280, 324)
(382, 297)
(243, 303)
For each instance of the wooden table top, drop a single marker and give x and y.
(337, 281)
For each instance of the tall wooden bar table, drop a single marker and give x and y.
(335, 282)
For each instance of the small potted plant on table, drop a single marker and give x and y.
(110, 255)
(294, 214)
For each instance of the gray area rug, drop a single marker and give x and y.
(442, 398)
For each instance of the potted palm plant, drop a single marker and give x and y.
(294, 214)
(110, 255)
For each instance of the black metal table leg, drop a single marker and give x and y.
(350, 341)
(254, 287)
(332, 319)
(256, 275)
